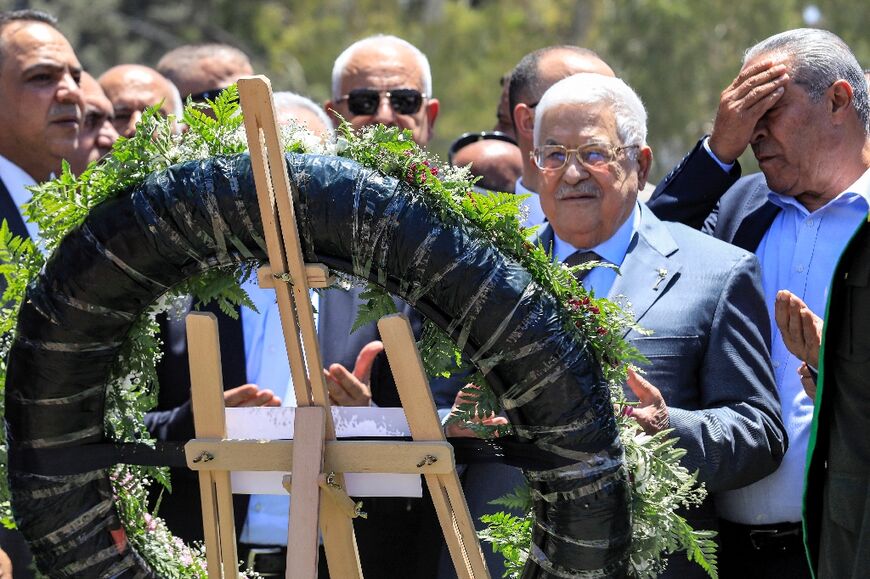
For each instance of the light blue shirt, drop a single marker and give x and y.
(268, 367)
(612, 250)
(798, 253)
(17, 181)
(531, 206)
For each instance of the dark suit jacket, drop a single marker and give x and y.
(837, 492)
(698, 193)
(11, 540)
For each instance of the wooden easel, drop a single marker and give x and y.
(315, 458)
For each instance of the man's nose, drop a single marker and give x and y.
(574, 171)
(69, 91)
(385, 114)
(107, 136)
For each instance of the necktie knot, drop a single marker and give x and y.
(579, 258)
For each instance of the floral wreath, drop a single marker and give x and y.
(660, 485)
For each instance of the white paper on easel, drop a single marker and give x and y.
(277, 424)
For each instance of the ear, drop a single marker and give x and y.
(840, 95)
(432, 108)
(644, 164)
(524, 120)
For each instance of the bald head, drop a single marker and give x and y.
(199, 68)
(498, 163)
(530, 79)
(384, 80)
(132, 88)
(97, 134)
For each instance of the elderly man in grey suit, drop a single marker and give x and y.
(708, 375)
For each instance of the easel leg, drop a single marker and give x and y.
(206, 390)
(305, 499)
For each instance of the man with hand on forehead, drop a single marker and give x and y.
(801, 102)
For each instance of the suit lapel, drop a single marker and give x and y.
(758, 214)
(648, 269)
(11, 213)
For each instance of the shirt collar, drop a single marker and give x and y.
(611, 250)
(16, 181)
(857, 192)
(522, 189)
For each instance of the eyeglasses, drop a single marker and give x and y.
(365, 101)
(593, 156)
(466, 139)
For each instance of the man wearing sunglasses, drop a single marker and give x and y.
(384, 80)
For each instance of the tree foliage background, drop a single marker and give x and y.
(677, 54)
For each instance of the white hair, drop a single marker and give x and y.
(590, 89)
(379, 39)
(285, 100)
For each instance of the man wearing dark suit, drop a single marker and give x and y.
(708, 376)
(801, 102)
(40, 116)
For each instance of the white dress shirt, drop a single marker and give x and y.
(17, 181)
(531, 205)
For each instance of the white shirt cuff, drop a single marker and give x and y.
(725, 166)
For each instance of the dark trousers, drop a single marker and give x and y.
(762, 552)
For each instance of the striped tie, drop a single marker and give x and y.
(579, 258)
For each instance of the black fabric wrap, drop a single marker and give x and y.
(202, 214)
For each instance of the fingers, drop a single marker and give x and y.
(646, 393)
(236, 396)
(249, 395)
(760, 81)
(812, 335)
(755, 90)
(652, 412)
(345, 389)
(362, 369)
(807, 381)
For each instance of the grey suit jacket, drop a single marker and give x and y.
(708, 353)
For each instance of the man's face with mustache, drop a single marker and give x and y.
(41, 100)
(586, 205)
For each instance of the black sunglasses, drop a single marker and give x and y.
(211, 95)
(365, 101)
(466, 139)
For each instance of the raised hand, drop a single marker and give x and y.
(250, 395)
(651, 413)
(455, 429)
(755, 90)
(348, 388)
(801, 329)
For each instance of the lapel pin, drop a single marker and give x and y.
(663, 273)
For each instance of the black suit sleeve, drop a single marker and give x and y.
(690, 193)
